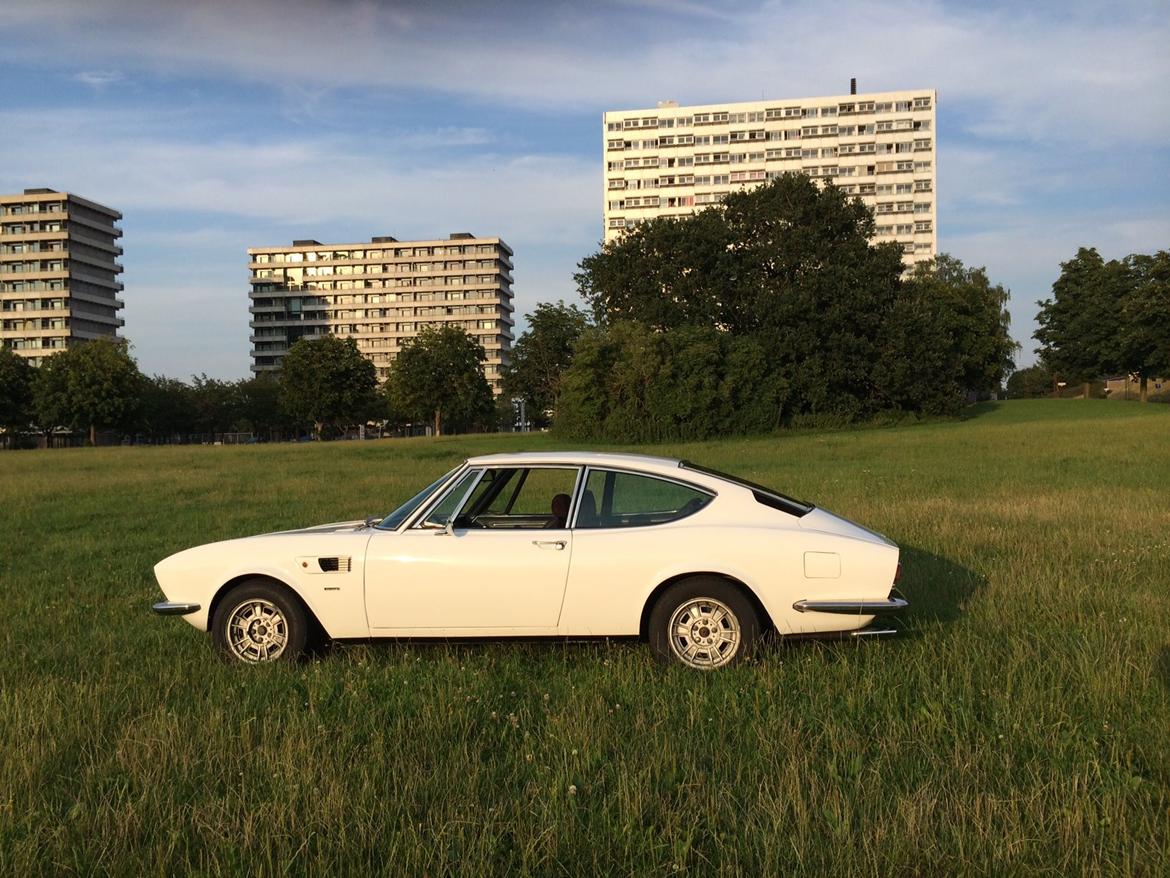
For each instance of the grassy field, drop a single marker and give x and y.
(1018, 726)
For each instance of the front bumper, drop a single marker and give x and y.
(853, 608)
(168, 608)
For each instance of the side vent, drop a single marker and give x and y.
(334, 565)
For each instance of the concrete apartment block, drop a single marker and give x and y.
(58, 272)
(381, 293)
(881, 147)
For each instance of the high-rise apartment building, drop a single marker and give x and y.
(672, 160)
(381, 293)
(58, 272)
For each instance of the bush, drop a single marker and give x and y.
(632, 383)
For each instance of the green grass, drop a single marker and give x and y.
(1018, 726)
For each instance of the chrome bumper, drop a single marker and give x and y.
(853, 608)
(166, 608)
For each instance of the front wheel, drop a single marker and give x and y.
(257, 622)
(705, 623)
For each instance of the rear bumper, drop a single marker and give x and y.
(168, 608)
(853, 608)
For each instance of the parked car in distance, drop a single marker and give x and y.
(560, 544)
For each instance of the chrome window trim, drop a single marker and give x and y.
(410, 519)
(441, 495)
(588, 468)
(580, 480)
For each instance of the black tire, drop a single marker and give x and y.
(724, 627)
(260, 621)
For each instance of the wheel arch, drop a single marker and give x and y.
(314, 623)
(766, 623)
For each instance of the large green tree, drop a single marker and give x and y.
(1144, 337)
(789, 263)
(790, 269)
(541, 356)
(1080, 325)
(92, 385)
(945, 340)
(327, 382)
(16, 398)
(1108, 317)
(438, 377)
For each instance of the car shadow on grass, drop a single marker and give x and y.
(937, 588)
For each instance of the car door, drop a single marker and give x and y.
(630, 529)
(488, 557)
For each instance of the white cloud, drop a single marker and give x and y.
(99, 79)
(133, 163)
(1060, 73)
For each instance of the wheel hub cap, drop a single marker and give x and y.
(705, 633)
(257, 631)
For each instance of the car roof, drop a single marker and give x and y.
(578, 458)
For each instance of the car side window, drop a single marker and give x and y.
(443, 511)
(521, 498)
(618, 499)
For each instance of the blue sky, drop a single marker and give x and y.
(215, 126)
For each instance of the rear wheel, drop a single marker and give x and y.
(259, 621)
(704, 623)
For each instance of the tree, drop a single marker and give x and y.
(327, 382)
(92, 385)
(789, 269)
(953, 326)
(16, 399)
(629, 382)
(167, 407)
(215, 405)
(1144, 337)
(259, 405)
(789, 263)
(438, 377)
(1080, 325)
(542, 354)
(1034, 381)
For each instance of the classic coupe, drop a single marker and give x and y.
(698, 563)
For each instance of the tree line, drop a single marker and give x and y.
(774, 309)
(325, 387)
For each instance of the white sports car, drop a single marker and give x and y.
(559, 544)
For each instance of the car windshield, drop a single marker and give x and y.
(403, 512)
(763, 495)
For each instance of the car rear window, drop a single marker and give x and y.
(763, 495)
(612, 498)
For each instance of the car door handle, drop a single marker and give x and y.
(559, 545)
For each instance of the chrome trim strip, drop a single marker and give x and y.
(857, 608)
(167, 608)
(873, 632)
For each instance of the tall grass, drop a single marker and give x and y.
(1019, 725)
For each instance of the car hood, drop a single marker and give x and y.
(211, 555)
(826, 522)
